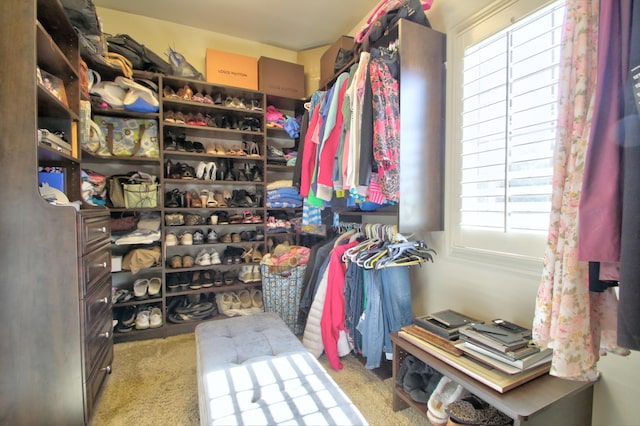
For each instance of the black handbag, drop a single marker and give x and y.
(412, 10)
(343, 58)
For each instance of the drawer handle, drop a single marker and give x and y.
(103, 264)
(106, 334)
(104, 300)
(103, 229)
(107, 369)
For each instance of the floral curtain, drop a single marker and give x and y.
(574, 322)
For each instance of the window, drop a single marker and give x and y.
(507, 128)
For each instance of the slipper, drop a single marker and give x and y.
(141, 288)
(245, 299)
(155, 284)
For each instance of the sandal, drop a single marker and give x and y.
(247, 217)
(185, 93)
(169, 93)
(256, 256)
(247, 255)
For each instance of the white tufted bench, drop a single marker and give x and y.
(252, 370)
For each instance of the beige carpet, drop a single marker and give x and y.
(154, 383)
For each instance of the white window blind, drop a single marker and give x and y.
(508, 125)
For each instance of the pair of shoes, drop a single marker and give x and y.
(144, 288)
(177, 261)
(120, 295)
(250, 274)
(203, 258)
(206, 171)
(186, 238)
(148, 317)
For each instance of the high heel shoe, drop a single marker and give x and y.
(247, 256)
(204, 196)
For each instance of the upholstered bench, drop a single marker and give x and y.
(252, 370)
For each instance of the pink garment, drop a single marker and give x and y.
(333, 311)
(309, 153)
(328, 153)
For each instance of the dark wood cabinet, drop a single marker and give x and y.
(422, 57)
(52, 367)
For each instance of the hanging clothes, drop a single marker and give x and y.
(629, 306)
(333, 312)
(386, 128)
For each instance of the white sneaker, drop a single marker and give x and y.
(155, 317)
(257, 276)
(142, 319)
(246, 274)
(203, 258)
(215, 257)
(171, 240)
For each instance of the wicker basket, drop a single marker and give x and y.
(281, 293)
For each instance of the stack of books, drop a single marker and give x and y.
(507, 348)
(445, 323)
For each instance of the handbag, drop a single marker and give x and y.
(144, 196)
(129, 137)
(140, 195)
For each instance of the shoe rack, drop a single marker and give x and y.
(211, 174)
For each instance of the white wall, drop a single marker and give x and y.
(488, 291)
(466, 284)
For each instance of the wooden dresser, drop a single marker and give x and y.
(94, 262)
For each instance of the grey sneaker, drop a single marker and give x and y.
(212, 236)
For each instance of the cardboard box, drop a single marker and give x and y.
(231, 69)
(328, 58)
(280, 78)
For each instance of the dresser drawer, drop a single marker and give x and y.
(94, 230)
(96, 340)
(97, 305)
(95, 266)
(96, 379)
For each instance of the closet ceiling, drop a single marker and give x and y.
(290, 24)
